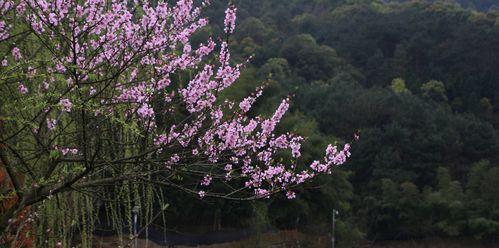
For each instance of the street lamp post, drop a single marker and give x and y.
(333, 225)
(135, 212)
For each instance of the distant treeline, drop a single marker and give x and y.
(481, 5)
(419, 80)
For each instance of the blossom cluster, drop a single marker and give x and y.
(123, 62)
(5, 6)
(230, 19)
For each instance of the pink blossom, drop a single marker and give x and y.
(145, 111)
(262, 193)
(206, 180)
(66, 105)
(175, 158)
(201, 194)
(51, 123)
(22, 89)
(53, 19)
(4, 29)
(245, 105)
(230, 19)
(21, 7)
(67, 150)
(295, 146)
(60, 68)
(16, 53)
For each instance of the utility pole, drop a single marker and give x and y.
(135, 212)
(333, 225)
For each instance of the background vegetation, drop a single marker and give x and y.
(419, 80)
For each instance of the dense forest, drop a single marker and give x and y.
(418, 80)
